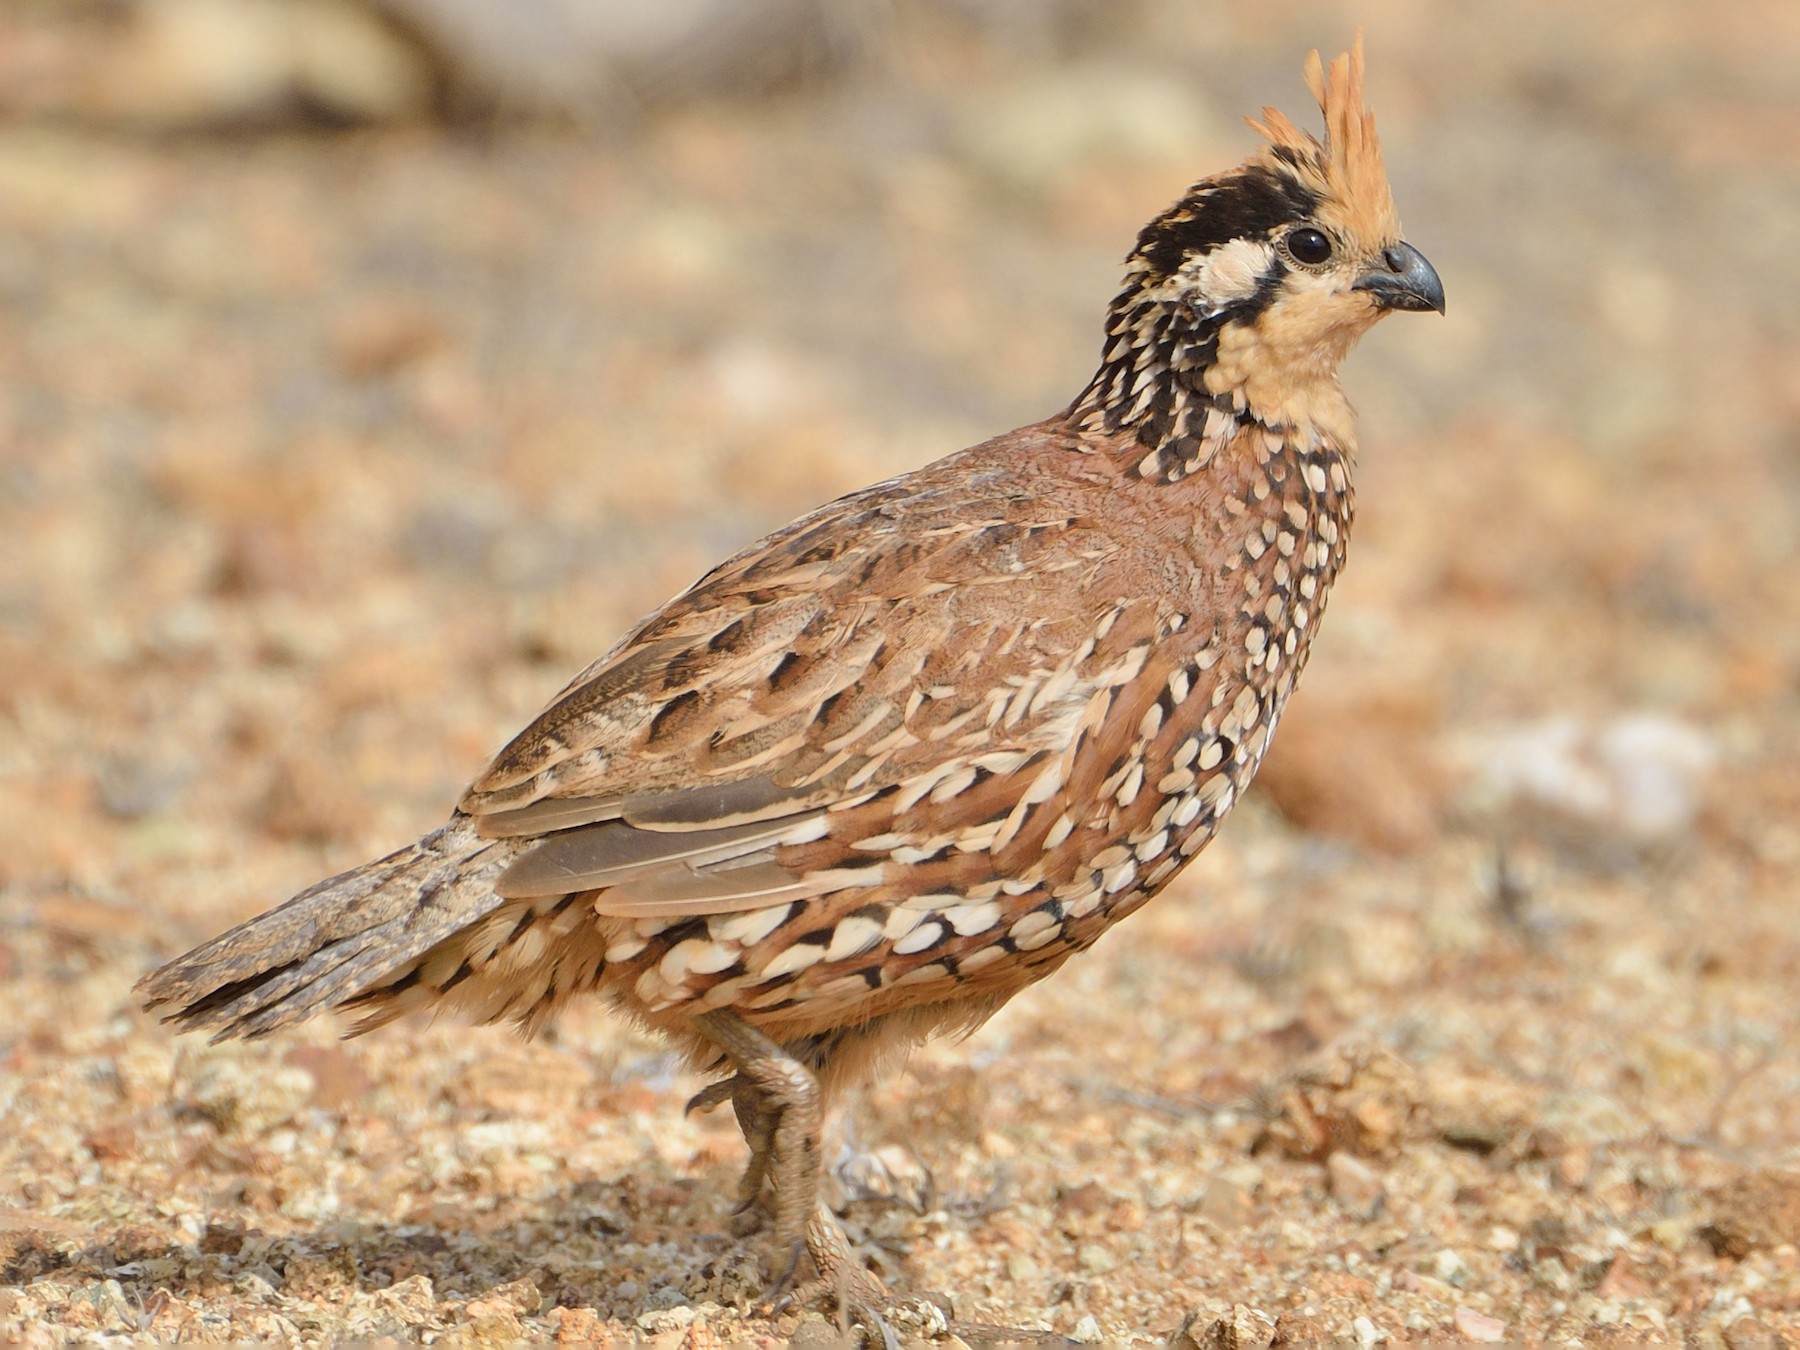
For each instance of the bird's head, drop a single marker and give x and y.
(1255, 284)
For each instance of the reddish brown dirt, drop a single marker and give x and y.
(325, 457)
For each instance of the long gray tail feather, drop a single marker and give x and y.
(333, 940)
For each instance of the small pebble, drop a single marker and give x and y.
(1479, 1327)
(1449, 1267)
(1355, 1185)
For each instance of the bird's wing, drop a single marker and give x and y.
(850, 655)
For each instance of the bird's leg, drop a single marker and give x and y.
(757, 1122)
(786, 1097)
(840, 1274)
(780, 1110)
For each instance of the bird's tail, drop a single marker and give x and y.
(355, 937)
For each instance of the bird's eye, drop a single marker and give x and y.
(1309, 246)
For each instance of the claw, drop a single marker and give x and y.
(745, 1204)
(779, 1296)
(856, 1292)
(714, 1094)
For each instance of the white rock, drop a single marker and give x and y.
(186, 63)
(1639, 778)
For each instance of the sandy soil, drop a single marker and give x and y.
(326, 456)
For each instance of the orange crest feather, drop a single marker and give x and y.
(1347, 169)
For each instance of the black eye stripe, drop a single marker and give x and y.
(1253, 204)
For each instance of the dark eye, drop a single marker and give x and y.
(1309, 246)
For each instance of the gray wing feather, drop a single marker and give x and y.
(613, 853)
(705, 808)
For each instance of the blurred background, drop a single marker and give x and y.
(367, 366)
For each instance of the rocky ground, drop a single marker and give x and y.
(327, 453)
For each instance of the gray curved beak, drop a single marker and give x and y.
(1403, 280)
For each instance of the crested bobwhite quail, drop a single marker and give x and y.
(881, 770)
